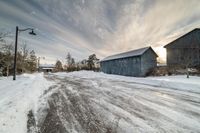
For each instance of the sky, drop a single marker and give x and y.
(103, 27)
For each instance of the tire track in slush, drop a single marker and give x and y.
(105, 106)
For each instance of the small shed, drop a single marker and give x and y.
(185, 50)
(135, 63)
(46, 67)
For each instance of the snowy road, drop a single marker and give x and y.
(105, 105)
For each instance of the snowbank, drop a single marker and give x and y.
(17, 98)
(179, 82)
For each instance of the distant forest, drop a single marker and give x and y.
(27, 61)
(92, 63)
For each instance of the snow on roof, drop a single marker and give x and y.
(47, 68)
(47, 65)
(131, 53)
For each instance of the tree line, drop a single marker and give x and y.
(92, 63)
(26, 59)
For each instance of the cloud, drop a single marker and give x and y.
(104, 27)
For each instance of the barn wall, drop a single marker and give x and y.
(183, 56)
(185, 50)
(148, 62)
(126, 66)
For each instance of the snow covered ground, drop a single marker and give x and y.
(97, 102)
(87, 101)
(17, 98)
(179, 82)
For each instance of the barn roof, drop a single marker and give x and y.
(132, 53)
(188, 40)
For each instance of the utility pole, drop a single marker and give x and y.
(15, 57)
(16, 41)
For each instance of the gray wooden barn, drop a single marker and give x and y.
(132, 63)
(184, 51)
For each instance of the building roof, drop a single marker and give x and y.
(132, 53)
(188, 40)
(47, 68)
(46, 65)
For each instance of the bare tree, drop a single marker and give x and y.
(25, 60)
(7, 57)
(6, 53)
(187, 61)
(3, 35)
(32, 61)
(24, 57)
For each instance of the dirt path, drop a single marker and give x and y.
(106, 106)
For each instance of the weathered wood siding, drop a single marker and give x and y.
(148, 62)
(183, 56)
(127, 66)
(137, 66)
(185, 50)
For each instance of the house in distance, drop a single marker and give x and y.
(46, 67)
(135, 63)
(184, 51)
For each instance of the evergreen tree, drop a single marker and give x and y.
(92, 59)
(72, 62)
(58, 66)
(71, 65)
(69, 59)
